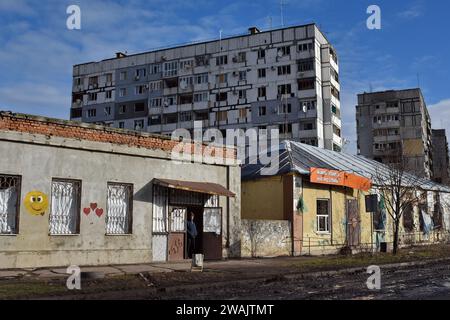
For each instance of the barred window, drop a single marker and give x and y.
(9, 204)
(65, 208)
(119, 209)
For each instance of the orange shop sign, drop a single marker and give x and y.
(340, 178)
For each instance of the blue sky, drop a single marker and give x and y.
(37, 51)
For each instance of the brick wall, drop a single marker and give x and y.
(89, 132)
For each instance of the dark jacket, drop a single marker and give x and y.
(191, 229)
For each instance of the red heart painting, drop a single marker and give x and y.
(93, 206)
(87, 211)
(99, 212)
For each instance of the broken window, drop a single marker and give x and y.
(305, 65)
(306, 84)
(323, 214)
(119, 209)
(9, 204)
(65, 208)
(284, 70)
(261, 92)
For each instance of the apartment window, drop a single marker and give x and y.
(155, 69)
(285, 128)
(221, 96)
(333, 55)
(308, 126)
(140, 90)
(65, 207)
(222, 78)
(185, 116)
(306, 84)
(202, 61)
(284, 70)
(261, 92)
(140, 73)
(285, 108)
(222, 60)
(119, 209)
(284, 89)
(91, 113)
(201, 78)
(78, 81)
(170, 118)
(109, 78)
(186, 99)
(138, 125)
(154, 120)
(170, 69)
(242, 113)
(187, 64)
(155, 85)
(121, 125)
(262, 73)
(305, 47)
(262, 111)
(122, 109)
(308, 105)
(201, 115)
(305, 65)
(92, 96)
(261, 54)
(242, 75)
(242, 57)
(222, 116)
(108, 94)
(139, 107)
(393, 104)
(107, 111)
(335, 93)
(285, 51)
(156, 102)
(334, 75)
(201, 97)
(323, 216)
(123, 92)
(123, 76)
(10, 204)
(76, 113)
(170, 100)
(93, 81)
(242, 94)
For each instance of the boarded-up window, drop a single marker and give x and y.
(119, 209)
(9, 204)
(65, 208)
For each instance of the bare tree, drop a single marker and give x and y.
(400, 189)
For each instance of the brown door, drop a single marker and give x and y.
(353, 224)
(177, 228)
(212, 233)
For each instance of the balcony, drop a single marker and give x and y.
(387, 124)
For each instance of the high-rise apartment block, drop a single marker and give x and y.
(393, 125)
(441, 169)
(286, 78)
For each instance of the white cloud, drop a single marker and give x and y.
(413, 12)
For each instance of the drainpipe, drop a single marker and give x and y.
(228, 209)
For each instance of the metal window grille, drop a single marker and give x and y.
(178, 220)
(119, 209)
(9, 204)
(160, 208)
(65, 208)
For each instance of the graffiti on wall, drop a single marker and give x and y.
(36, 203)
(93, 208)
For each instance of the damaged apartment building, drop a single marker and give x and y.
(393, 125)
(84, 194)
(286, 79)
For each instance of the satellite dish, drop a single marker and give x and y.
(183, 85)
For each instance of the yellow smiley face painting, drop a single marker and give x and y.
(36, 203)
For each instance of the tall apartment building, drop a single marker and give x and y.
(286, 78)
(393, 124)
(441, 169)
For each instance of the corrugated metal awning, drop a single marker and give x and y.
(201, 187)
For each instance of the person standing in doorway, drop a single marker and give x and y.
(191, 235)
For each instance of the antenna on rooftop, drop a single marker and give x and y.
(282, 4)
